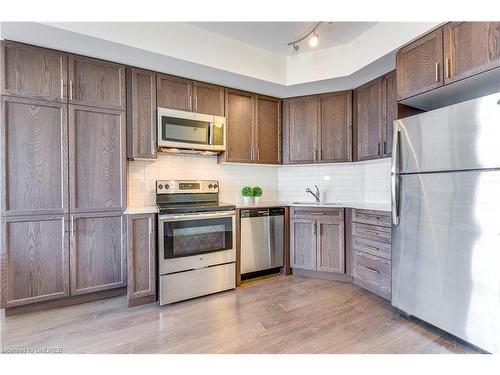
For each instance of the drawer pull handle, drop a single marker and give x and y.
(316, 213)
(371, 269)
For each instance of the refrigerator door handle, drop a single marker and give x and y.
(395, 164)
(395, 199)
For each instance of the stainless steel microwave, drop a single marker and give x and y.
(191, 131)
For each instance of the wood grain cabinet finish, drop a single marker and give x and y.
(375, 109)
(470, 48)
(97, 159)
(335, 135)
(96, 83)
(33, 72)
(97, 252)
(267, 130)
(419, 65)
(34, 258)
(208, 99)
(174, 92)
(141, 258)
(303, 243)
(141, 114)
(330, 246)
(34, 157)
(317, 240)
(301, 119)
(240, 122)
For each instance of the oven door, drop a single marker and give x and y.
(179, 129)
(194, 241)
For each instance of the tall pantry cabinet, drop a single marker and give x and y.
(62, 175)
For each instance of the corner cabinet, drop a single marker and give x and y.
(253, 128)
(318, 128)
(141, 259)
(317, 239)
(375, 108)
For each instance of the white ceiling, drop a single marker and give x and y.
(274, 36)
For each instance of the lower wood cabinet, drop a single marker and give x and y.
(34, 259)
(370, 255)
(97, 252)
(141, 258)
(317, 240)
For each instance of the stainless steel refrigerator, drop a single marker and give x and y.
(446, 219)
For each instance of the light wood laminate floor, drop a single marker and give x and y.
(273, 315)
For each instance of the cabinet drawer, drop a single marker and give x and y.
(315, 213)
(373, 273)
(372, 232)
(369, 246)
(372, 217)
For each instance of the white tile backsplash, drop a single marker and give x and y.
(361, 182)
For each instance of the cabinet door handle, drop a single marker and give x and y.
(437, 71)
(72, 226)
(62, 88)
(258, 153)
(251, 154)
(70, 89)
(315, 228)
(371, 269)
(447, 67)
(378, 148)
(385, 147)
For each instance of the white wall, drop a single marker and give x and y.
(344, 182)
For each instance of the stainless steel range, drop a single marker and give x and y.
(196, 240)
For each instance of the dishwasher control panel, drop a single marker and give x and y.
(256, 212)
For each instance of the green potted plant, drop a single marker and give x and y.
(257, 193)
(247, 193)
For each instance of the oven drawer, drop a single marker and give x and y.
(372, 273)
(190, 284)
(195, 261)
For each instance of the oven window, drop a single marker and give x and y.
(192, 237)
(184, 130)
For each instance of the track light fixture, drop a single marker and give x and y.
(313, 40)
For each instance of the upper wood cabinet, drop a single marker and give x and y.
(96, 83)
(97, 252)
(34, 147)
(470, 48)
(267, 130)
(33, 72)
(141, 114)
(301, 123)
(97, 160)
(35, 259)
(318, 128)
(208, 99)
(174, 92)
(420, 65)
(141, 258)
(375, 109)
(335, 135)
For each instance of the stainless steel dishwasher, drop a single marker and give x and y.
(262, 238)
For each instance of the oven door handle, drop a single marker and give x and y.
(211, 215)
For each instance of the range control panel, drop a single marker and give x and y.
(186, 186)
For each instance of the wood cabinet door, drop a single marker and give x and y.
(33, 72)
(33, 155)
(419, 65)
(331, 251)
(174, 92)
(96, 83)
(97, 160)
(34, 253)
(141, 114)
(208, 99)
(390, 112)
(335, 135)
(369, 120)
(303, 243)
(470, 48)
(268, 130)
(301, 130)
(240, 122)
(141, 258)
(97, 252)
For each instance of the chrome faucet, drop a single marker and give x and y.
(316, 196)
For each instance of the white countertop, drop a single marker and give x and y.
(376, 206)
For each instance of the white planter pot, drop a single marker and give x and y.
(256, 200)
(247, 200)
